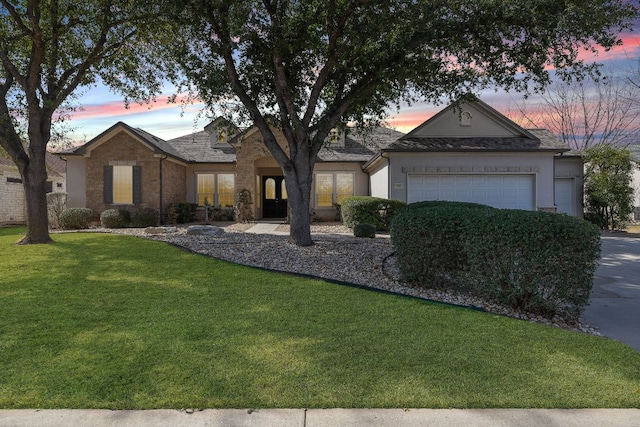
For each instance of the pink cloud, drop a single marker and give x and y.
(118, 108)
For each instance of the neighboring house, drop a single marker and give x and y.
(12, 201)
(470, 153)
(635, 154)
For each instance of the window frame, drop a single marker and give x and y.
(216, 187)
(108, 183)
(335, 196)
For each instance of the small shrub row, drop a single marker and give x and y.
(75, 218)
(370, 210)
(120, 218)
(537, 262)
(182, 213)
(115, 218)
(221, 214)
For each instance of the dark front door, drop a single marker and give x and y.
(274, 197)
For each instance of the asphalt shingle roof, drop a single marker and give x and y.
(544, 141)
(196, 148)
(359, 146)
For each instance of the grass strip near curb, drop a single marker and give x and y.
(109, 321)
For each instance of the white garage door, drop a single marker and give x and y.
(500, 191)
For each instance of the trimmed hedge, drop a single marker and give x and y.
(115, 218)
(364, 230)
(370, 210)
(182, 213)
(75, 218)
(537, 262)
(144, 217)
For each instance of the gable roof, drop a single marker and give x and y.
(197, 148)
(502, 135)
(158, 145)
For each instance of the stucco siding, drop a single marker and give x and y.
(448, 123)
(379, 178)
(571, 168)
(76, 182)
(541, 165)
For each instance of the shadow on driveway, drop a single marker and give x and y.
(614, 307)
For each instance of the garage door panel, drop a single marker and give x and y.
(501, 191)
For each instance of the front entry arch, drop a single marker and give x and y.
(274, 197)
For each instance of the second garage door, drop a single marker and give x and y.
(500, 191)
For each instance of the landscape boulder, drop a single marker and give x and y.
(204, 230)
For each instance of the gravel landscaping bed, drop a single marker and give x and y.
(336, 256)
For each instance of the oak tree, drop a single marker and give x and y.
(309, 66)
(48, 49)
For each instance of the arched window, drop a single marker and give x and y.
(270, 189)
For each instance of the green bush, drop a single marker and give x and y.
(182, 213)
(144, 217)
(115, 218)
(221, 214)
(537, 262)
(427, 239)
(370, 210)
(364, 230)
(75, 218)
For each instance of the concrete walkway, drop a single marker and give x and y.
(614, 307)
(324, 418)
(265, 228)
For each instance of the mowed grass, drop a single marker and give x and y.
(108, 321)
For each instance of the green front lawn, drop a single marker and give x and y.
(108, 321)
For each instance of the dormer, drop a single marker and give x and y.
(220, 131)
(335, 139)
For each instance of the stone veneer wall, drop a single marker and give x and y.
(174, 184)
(123, 147)
(250, 149)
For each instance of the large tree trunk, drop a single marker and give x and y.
(298, 181)
(34, 178)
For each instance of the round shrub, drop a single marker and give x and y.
(115, 218)
(144, 217)
(75, 218)
(364, 230)
(370, 210)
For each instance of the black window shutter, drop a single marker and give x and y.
(49, 186)
(107, 185)
(137, 185)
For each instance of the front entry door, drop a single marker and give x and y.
(274, 197)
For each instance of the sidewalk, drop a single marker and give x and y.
(324, 418)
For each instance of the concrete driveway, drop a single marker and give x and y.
(615, 300)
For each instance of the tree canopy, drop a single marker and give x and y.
(307, 67)
(607, 187)
(49, 48)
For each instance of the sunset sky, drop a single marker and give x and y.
(100, 109)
